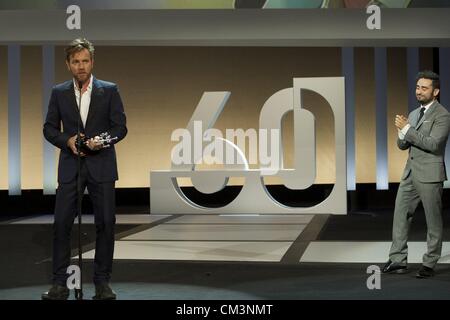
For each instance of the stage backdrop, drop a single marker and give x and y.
(161, 86)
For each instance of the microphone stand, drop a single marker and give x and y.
(79, 292)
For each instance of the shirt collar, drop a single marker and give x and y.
(427, 106)
(89, 88)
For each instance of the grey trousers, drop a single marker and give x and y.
(410, 193)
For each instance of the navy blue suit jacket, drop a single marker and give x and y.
(106, 114)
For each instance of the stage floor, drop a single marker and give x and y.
(231, 257)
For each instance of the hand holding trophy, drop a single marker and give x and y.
(87, 145)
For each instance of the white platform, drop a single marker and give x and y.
(244, 219)
(214, 237)
(364, 252)
(222, 232)
(198, 250)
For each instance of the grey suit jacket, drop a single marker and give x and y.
(426, 141)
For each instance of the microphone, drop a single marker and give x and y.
(79, 291)
(79, 140)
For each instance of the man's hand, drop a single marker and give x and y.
(400, 121)
(71, 143)
(94, 144)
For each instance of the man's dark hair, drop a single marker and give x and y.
(430, 75)
(77, 45)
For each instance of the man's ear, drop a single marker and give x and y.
(435, 92)
(68, 65)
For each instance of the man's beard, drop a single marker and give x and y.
(425, 101)
(83, 77)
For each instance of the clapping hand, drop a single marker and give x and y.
(400, 121)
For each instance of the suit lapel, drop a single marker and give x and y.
(96, 95)
(426, 115)
(70, 96)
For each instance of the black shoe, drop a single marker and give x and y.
(392, 267)
(425, 272)
(56, 292)
(104, 292)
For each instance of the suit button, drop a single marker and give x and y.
(412, 158)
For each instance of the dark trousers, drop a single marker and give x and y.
(103, 199)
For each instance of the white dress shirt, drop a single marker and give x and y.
(402, 133)
(85, 100)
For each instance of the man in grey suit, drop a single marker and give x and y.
(424, 134)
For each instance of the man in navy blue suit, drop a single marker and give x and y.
(101, 110)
